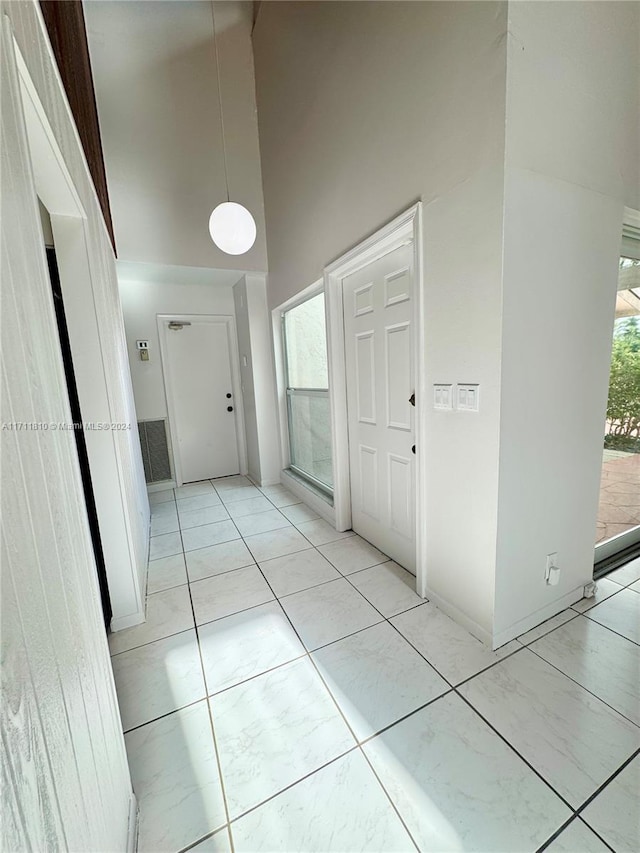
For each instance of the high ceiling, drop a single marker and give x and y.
(154, 68)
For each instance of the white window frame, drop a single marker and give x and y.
(629, 541)
(316, 497)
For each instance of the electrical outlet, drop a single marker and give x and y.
(552, 570)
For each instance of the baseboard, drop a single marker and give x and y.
(309, 497)
(119, 623)
(461, 618)
(270, 481)
(537, 618)
(132, 829)
(260, 483)
(161, 487)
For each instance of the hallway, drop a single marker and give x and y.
(350, 715)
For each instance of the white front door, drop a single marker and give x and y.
(378, 314)
(197, 369)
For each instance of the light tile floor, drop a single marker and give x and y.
(290, 692)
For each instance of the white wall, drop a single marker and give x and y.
(257, 374)
(66, 783)
(142, 301)
(364, 108)
(156, 86)
(518, 128)
(246, 376)
(572, 162)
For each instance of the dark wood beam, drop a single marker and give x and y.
(65, 24)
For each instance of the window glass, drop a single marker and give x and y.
(305, 340)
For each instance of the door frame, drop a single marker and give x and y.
(162, 320)
(85, 269)
(403, 229)
(624, 546)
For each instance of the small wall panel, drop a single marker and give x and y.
(369, 481)
(397, 287)
(363, 300)
(365, 377)
(400, 495)
(398, 375)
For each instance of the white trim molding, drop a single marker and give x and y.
(632, 218)
(94, 318)
(277, 313)
(161, 486)
(134, 825)
(404, 229)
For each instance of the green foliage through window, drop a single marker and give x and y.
(623, 407)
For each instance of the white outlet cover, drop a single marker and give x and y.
(443, 397)
(468, 397)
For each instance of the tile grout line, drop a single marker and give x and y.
(590, 692)
(332, 697)
(293, 784)
(595, 832)
(454, 689)
(342, 715)
(563, 827)
(526, 645)
(415, 711)
(207, 698)
(209, 713)
(388, 619)
(513, 749)
(607, 781)
(162, 716)
(211, 725)
(610, 629)
(226, 829)
(588, 801)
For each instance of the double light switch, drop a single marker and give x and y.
(464, 397)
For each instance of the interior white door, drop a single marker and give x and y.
(378, 316)
(197, 365)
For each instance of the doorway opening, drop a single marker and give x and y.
(618, 526)
(76, 415)
(377, 381)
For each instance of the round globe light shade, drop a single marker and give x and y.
(232, 228)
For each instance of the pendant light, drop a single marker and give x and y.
(231, 225)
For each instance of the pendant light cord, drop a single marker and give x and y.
(224, 144)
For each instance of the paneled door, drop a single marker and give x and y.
(196, 361)
(378, 317)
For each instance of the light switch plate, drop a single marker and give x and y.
(443, 397)
(468, 397)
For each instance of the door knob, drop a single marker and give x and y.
(228, 396)
(412, 399)
(413, 449)
(229, 408)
